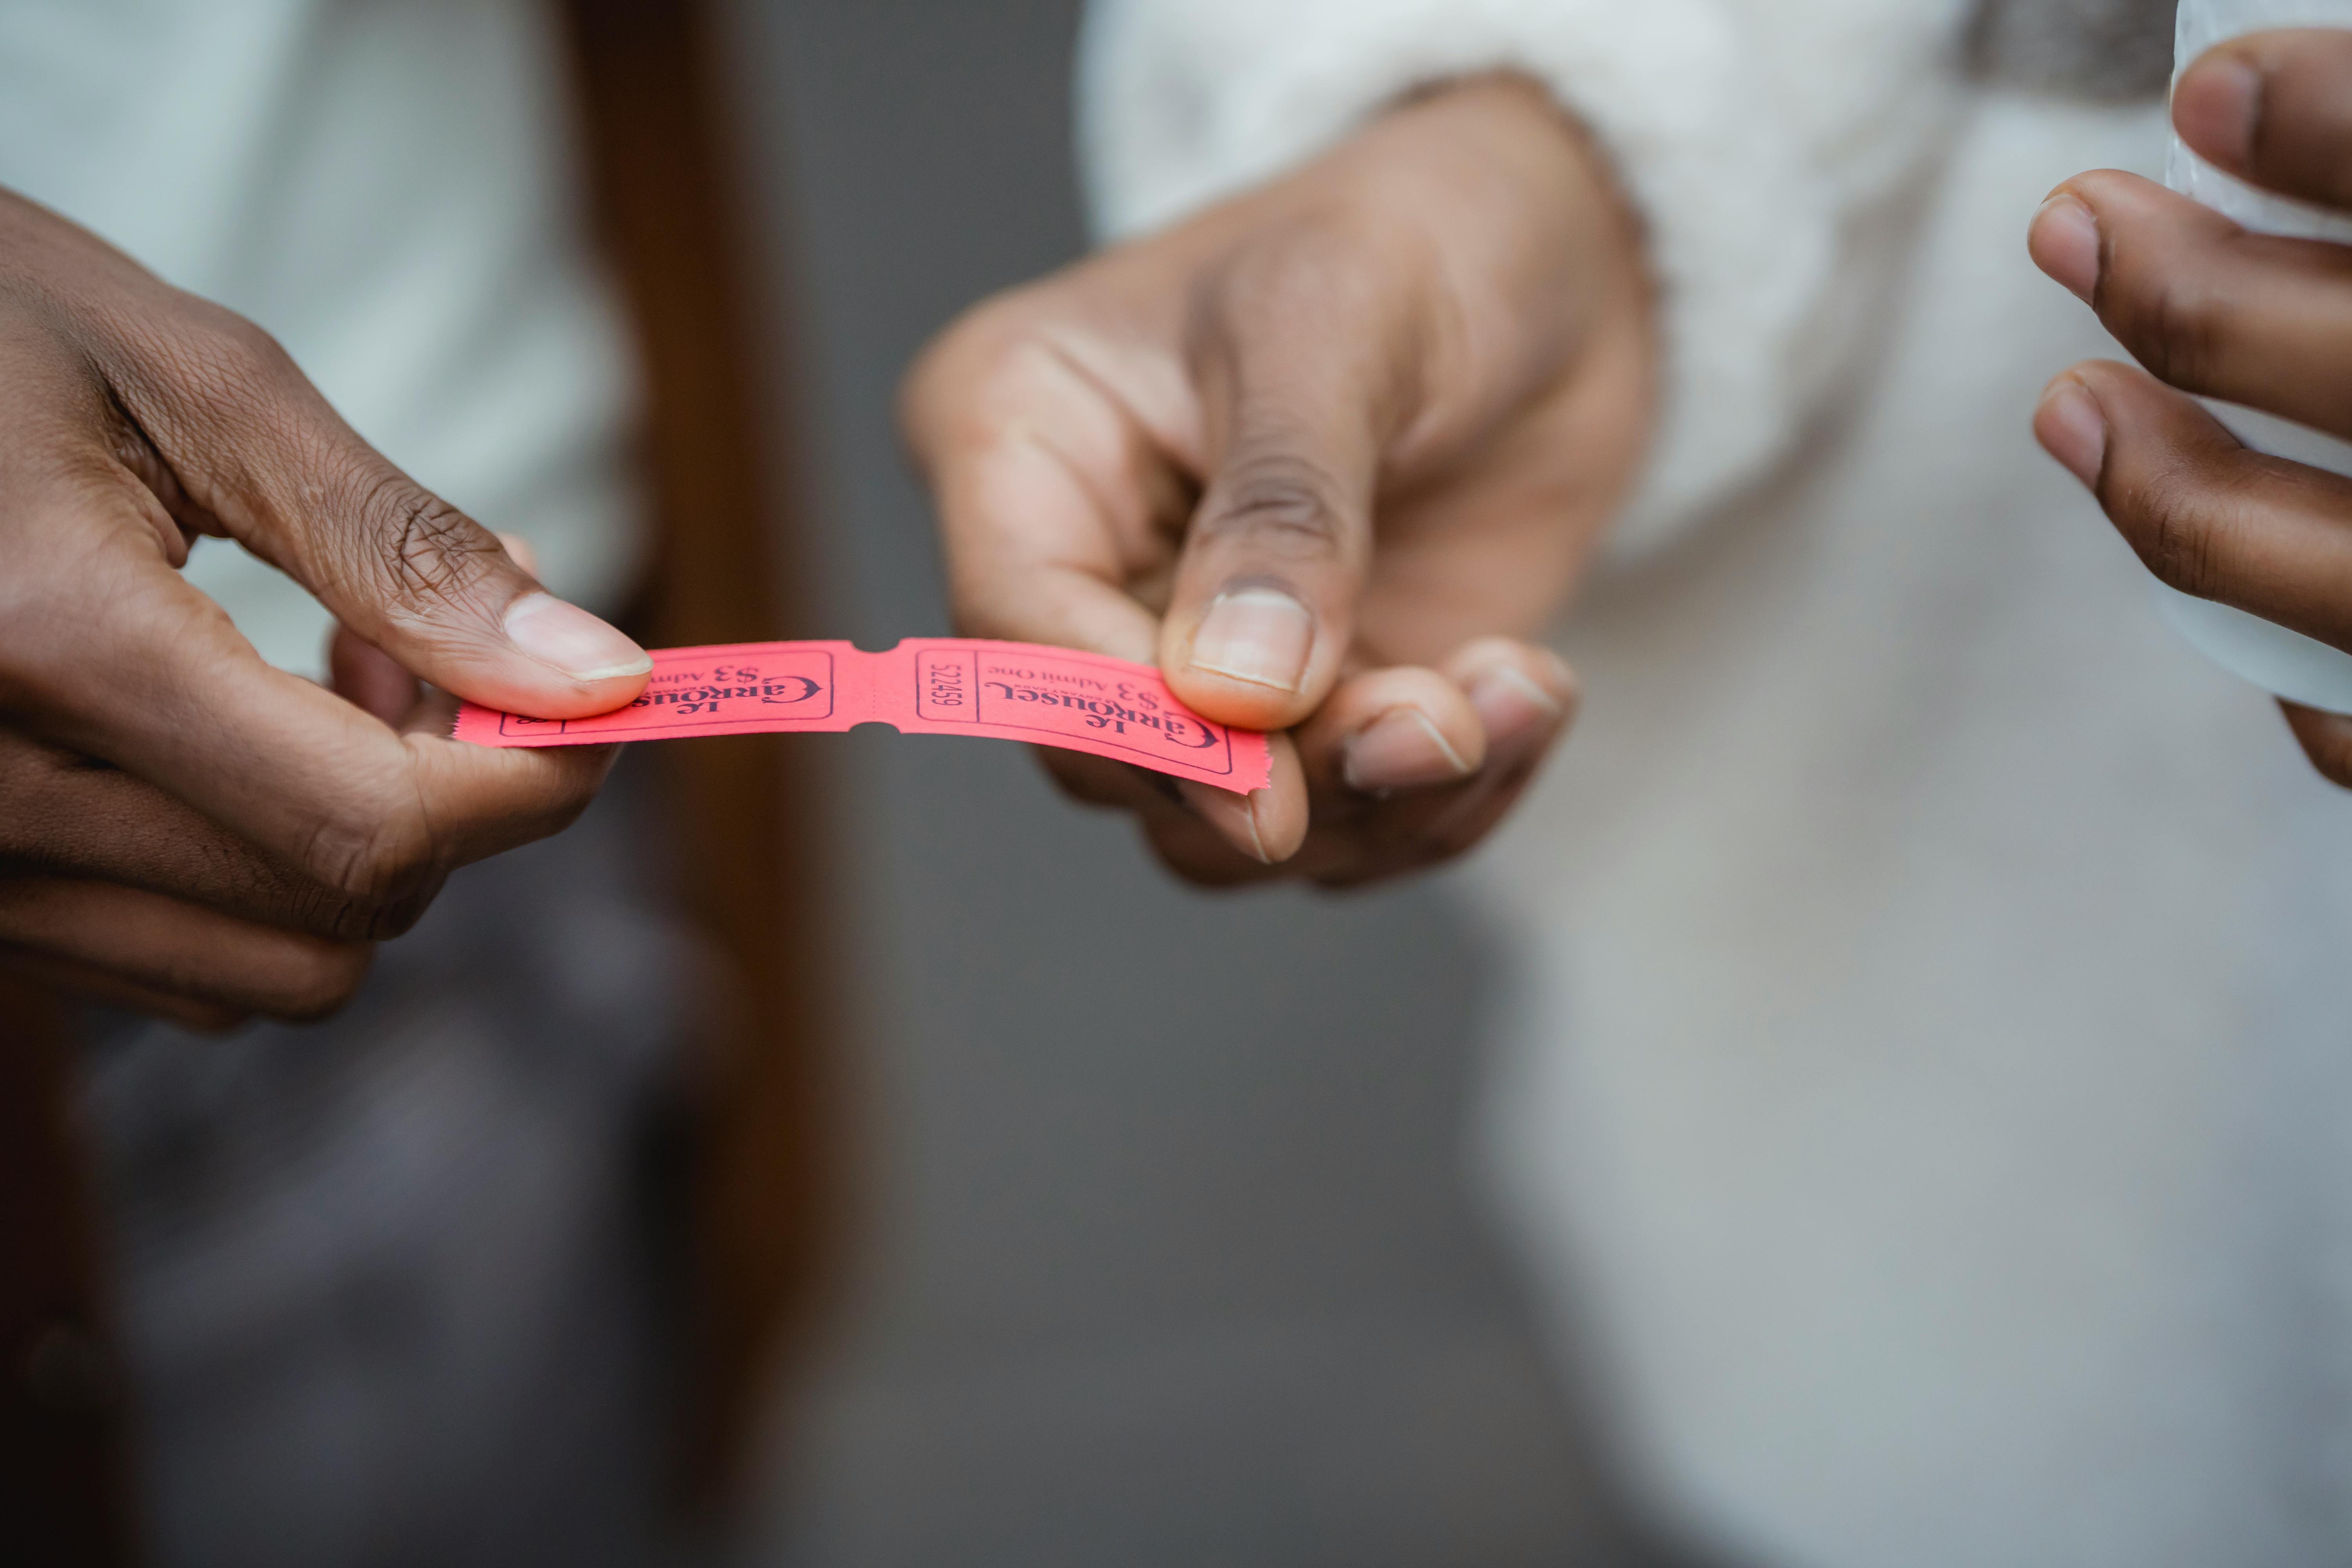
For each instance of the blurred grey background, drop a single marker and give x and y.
(1168, 1256)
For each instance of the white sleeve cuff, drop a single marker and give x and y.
(1183, 102)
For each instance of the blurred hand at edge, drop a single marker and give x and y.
(1327, 453)
(2213, 310)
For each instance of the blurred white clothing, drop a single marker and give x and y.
(1928, 1079)
(388, 188)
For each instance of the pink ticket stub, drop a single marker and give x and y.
(925, 685)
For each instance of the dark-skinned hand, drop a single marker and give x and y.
(183, 829)
(2212, 308)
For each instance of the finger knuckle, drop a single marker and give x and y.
(374, 873)
(1281, 502)
(429, 552)
(2176, 322)
(251, 348)
(181, 371)
(230, 363)
(2179, 530)
(991, 349)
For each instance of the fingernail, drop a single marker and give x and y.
(1399, 750)
(1510, 704)
(572, 640)
(2072, 429)
(2215, 108)
(1262, 636)
(2064, 241)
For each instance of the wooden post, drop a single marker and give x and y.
(749, 813)
(65, 1500)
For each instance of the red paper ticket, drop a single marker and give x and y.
(925, 685)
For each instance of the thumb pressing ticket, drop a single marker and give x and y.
(925, 685)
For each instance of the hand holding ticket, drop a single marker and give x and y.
(1326, 452)
(926, 685)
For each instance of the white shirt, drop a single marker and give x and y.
(1928, 1080)
(419, 254)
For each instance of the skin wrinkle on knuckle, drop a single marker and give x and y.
(1278, 502)
(207, 372)
(235, 427)
(235, 359)
(430, 553)
(373, 872)
(2178, 326)
(2181, 534)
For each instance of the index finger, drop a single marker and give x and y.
(2208, 515)
(1045, 488)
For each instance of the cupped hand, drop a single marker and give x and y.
(1325, 453)
(184, 829)
(2212, 308)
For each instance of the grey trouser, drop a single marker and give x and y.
(390, 1286)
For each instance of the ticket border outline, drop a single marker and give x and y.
(1223, 731)
(564, 726)
(915, 667)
